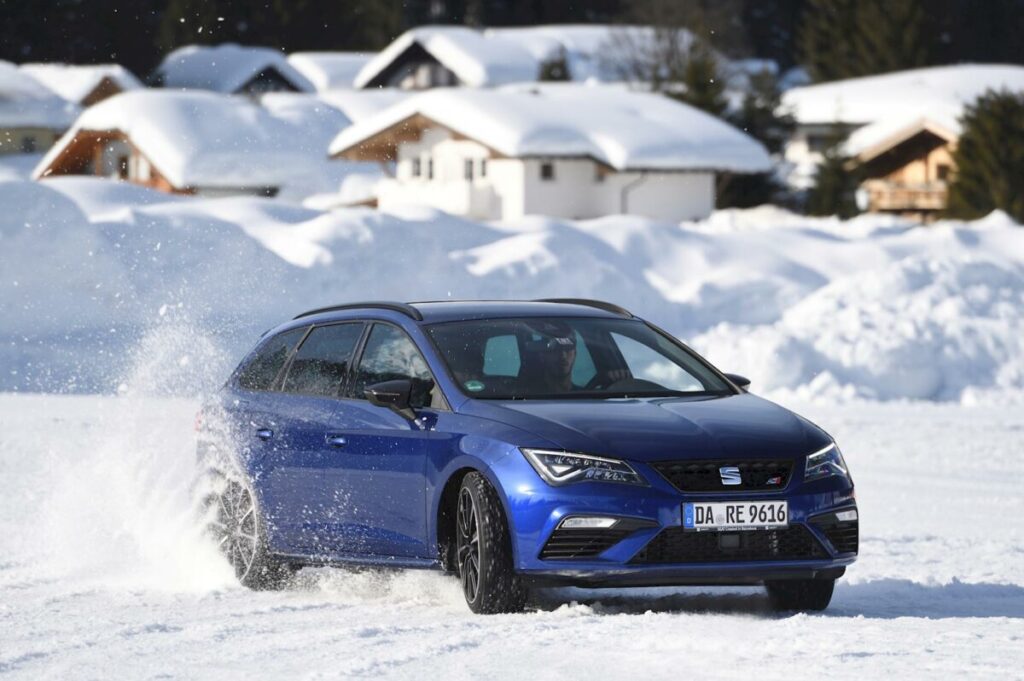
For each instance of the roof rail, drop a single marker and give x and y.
(404, 308)
(599, 304)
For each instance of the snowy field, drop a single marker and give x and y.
(103, 574)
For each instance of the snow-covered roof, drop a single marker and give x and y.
(225, 68)
(25, 102)
(74, 82)
(592, 51)
(196, 139)
(360, 104)
(870, 140)
(329, 70)
(914, 93)
(318, 119)
(623, 129)
(478, 60)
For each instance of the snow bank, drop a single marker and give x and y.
(870, 308)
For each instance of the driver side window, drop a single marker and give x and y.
(391, 355)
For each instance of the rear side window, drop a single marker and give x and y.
(321, 362)
(263, 368)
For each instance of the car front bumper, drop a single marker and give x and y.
(536, 510)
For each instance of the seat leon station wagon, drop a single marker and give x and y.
(517, 445)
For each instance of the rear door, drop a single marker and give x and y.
(305, 485)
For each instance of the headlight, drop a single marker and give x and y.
(825, 462)
(562, 468)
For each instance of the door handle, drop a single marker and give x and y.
(336, 440)
(264, 433)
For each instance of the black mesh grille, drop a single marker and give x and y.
(566, 544)
(705, 476)
(844, 536)
(675, 545)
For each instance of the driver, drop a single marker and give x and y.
(557, 357)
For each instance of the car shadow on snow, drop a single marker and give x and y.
(879, 599)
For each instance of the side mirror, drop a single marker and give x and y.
(742, 382)
(395, 395)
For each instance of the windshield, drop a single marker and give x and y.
(572, 357)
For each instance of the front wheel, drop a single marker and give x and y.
(237, 528)
(484, 550)
(800, 595)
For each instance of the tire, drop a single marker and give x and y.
(800, 595)
(484, 550)
(236, 525)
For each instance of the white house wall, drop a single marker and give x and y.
(514, 187)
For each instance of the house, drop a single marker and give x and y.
(229, 69)
(32, 117)
(561, 150)
(329, 70)
(905, 165)
(181, 142)
(447, 56)
(894, 104)
(83, 84)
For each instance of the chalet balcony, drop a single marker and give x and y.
(901, 197)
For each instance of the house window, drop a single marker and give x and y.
(122, 167)
(28, 145)
(547, 171)
(483, 167)
(415, 167)
(467, 169)
(942, 171)
(430, 169)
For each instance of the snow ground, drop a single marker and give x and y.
(103, 572)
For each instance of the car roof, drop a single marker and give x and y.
(430, 312)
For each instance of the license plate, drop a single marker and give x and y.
(735, 515)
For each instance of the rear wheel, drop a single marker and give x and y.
(484, 550)
(236, 526)
(800, 595)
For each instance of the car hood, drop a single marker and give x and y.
(653, 429)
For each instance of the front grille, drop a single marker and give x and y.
(844, 536)
(676, 545)
(705, 476)
(566, 544)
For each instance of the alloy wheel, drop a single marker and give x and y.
(235, 528)
(468, 545)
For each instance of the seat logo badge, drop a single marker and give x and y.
(730, 475)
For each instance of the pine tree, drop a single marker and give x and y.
(834, 184)
(759, 115)
(989, 158)
(851, 38)
(555, 68)
(703, 87)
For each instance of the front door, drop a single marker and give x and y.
(386, 454)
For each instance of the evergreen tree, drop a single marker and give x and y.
(703, 87)
(834, 184)
(851, 38)
(989, 158)
(759, 115)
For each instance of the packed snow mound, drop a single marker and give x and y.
(921, 328)
(869, 308)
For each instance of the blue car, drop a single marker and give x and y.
(517, 445)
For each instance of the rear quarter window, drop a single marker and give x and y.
(261, 370)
